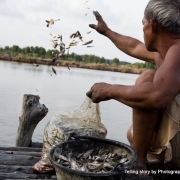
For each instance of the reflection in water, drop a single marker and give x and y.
(60, 93)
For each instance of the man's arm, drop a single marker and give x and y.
(128, 45)
(131, 46)
(157, 94)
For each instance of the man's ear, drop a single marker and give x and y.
(155, 26)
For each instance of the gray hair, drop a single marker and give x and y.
(166, 13)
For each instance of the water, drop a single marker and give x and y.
(60, 93)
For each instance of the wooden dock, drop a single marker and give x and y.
(17, 162)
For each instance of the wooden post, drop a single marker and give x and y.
(32, 113)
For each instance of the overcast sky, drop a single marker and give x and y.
(23, 23)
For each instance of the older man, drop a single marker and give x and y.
(154, 97)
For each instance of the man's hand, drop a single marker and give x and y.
(99, 92)
(101, 27)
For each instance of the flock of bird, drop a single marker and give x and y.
(57, 41)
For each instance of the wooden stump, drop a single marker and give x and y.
(32, 113)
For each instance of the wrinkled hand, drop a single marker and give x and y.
(99, 92)
(101, 27)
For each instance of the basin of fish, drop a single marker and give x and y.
(98, 159)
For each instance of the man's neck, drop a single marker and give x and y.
(165, 41)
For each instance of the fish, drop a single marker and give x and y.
(88, 32)
(89, 46)
(53, 43)
(123, 160)
(54, 58)
(72, 35)
(54, 71)
(87, 154)
(68, 47)
(94, 167)
(86, 14)
(63, 158)
(85, 2)
(36, 65)
(80, 37)
(36, 90)
(88, 42)
(49, 22)
(60, 37)
(68, 67)
(88, 8)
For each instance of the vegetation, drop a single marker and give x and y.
(86, 61)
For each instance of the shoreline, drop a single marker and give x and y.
(94, 66)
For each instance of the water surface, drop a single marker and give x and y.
(60, 93)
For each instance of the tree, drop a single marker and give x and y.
(115, 61)
(27, 50)
(15, 49)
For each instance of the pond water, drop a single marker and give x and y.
(60, 93)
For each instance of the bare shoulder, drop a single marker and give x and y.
(173, 55)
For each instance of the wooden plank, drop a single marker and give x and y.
(19, 160)
(35, 154)
(12, 169)
(18, 175)
(27, 149)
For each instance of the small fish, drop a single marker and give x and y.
(72, 35)
(54, 37)
(68, 47)
(60, 37)
(36, 90)
(88, 32)
(36, 65)
(89, 46)
(87, 154)
(86, 14)
(50, 34)
(63, 158)
(68, 67)
(80, 37)
(88, 8)
(54, 71)
(88, 42)
(85, 2)
(123, 160)
(53, 43)
(94, 167)
(49, 22)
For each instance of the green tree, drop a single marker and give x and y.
(27, 50)
(115, 61)
(15, 49)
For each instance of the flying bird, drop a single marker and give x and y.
(88, 42)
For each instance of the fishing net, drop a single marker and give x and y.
(84, 121)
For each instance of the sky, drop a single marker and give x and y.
(23, 23)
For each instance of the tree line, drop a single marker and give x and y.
(36, 51)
